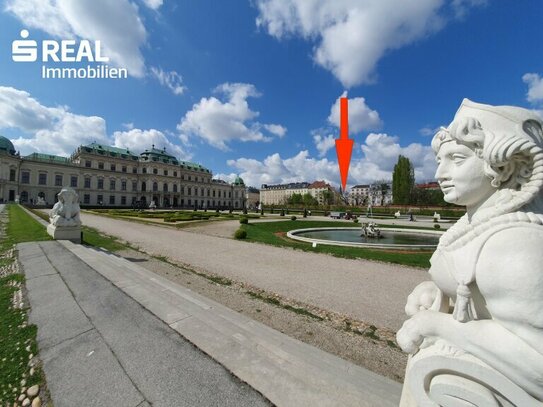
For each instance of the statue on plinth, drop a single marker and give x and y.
(64, 220)
(475, 333)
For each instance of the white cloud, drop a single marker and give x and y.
(219, 122)
(323, 143)
(429, 130)
(172, 80)
(380, 155)
(361, 117)
(55, 130)
(115, 23)
(138, 140)
(535, 87)
(276, 129)
(153, 4)
(351, 36)
(461, 7)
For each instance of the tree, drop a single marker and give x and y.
(403, 181)
(309, 200)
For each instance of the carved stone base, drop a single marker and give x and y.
(72, 233)
(438, 377)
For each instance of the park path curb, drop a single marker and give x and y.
(285, 370)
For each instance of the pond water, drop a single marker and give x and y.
(387, 237)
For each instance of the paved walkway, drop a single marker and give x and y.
(368, 291)
(100, 347)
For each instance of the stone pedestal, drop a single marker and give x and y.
(72, 233)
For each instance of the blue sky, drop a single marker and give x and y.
(252, 87)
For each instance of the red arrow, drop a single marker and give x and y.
(344, 145)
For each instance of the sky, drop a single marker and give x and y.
(252, 87)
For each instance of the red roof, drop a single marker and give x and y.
(319, 184)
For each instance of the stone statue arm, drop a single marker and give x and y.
(510, 278)
(421, 298)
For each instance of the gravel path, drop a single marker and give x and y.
(367, 291)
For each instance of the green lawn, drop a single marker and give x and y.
(23, 228)
(274, 233)
(18, 339)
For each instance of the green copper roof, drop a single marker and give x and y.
(6, 145)
(193, 166)
(112, 151)
(239, 181)
(49, 158)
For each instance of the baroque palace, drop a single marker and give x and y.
(110, 176)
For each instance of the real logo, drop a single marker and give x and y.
(66, 51)
(57, 51)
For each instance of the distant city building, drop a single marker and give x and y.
(279, 194)
(252, 198)
(429, 185)
(111, 176)
(377, 194)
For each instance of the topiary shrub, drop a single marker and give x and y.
(282, 212)
(437, 226)
(240, 234)
(293, 217)
(243, 220)
(355, 220)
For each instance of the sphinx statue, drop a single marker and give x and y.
(64, 220)
(475, 332)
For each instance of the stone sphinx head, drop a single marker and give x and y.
(491, 153)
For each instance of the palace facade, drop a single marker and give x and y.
(110, 176)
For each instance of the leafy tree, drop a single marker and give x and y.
(403, 181)
(328, 197)
(309, 200)
(295, 199)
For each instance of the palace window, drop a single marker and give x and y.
(58, 180)
(165, 187)
(155, 187)
(165, 172)
(87, 182)
(113, 167)
(25, 177)
(100, 166)
(112, 199)
(155, 171)
(134, 186)
(86, 199)
(123, 200)
(112, 184)
(123, 168)
(100, 183)
(42, 179)
(123, 185)
(88, 163)
(73, 181)
(12, 174)
(174, 187)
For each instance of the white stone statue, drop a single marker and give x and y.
(397, 214)
(437, 217)
(475, 332)
(66, 211)
(152, 205)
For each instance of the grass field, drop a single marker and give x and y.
(18, 339)
(274, 233)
